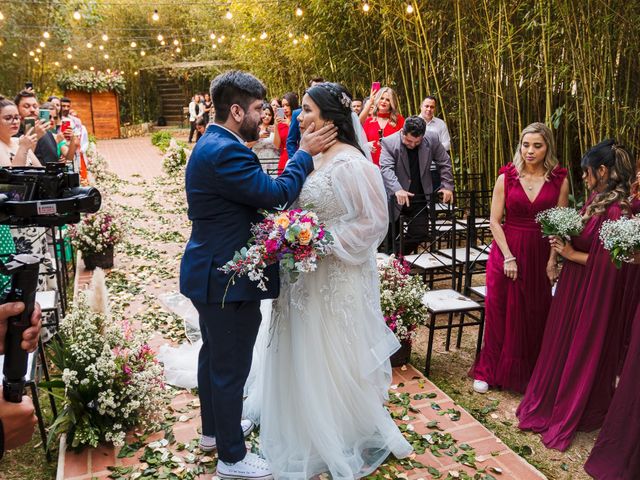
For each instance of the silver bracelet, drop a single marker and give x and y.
(510, 259)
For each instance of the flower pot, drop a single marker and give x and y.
(402, 356)
(102, 260)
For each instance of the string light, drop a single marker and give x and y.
(32, 53)
(69, 56)
(91, 68)
(409, 8)
(36, 59)
(134, 44)
(57, 64)
(163, 43)
(42, 44)
(108, 70)
(14, 54)
(299, 11)
(178, 49)
(263, 36)
(1, 16)
(228, 15)
(193, 40)
(75, 67)
(212, 36)
(77, 15)
(214, 46)
(295, 41)
(306, 37)
(290, 35)
(135, 73)
(220, 40)
(69, 49)
(160, 37)
(101, 47)
(142, 53)
(46, 35)
(176, 42)
(105, 37)
(106, 56)
(38, 50)
(155, 17)
(365, 6)
(89, 45)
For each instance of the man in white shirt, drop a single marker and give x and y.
(194, 113)
(436, 125)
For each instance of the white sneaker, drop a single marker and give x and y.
(250, 467)
(208, 444)
(480, 386)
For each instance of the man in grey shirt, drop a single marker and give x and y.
(436, 125)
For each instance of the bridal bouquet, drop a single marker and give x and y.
(621, 238)
(561, 222)
(294, 238)
(401, 298)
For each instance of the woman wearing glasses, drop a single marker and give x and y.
(15, 152)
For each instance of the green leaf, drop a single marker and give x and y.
(435, 473)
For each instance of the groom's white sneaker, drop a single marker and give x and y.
(208, 444)
(251, 467)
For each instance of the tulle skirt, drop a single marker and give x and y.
(318, 386)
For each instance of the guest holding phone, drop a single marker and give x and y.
(385, 120)
(283, 120)
(264, 148)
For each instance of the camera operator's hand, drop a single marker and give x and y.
(30, 335)
(18, 421)
(29, 139)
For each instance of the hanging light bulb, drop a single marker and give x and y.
(108, 70)
(38, 50)
(75, 67)
(290, 35)
(101, 47)
(193, 40)
(214, 46)
(163, 43)
(14, 54)
(77, 15)
(212, 36)
(243, 36)
(176, 42)
(106, 56)
(409, 8)
(32, 53)
(299, 11)
(46, 35)
(42, 44)
(91, 68)
(36, 59)
(135, 73)
(220, 40)
(178, 49)
(57, 64)
(365, 6)
(160, 38)
(69, 49)
(69, 56)
(263, 35)
(155, 17)
(89, 45)
(142, 53)
(228, 15)
(1, 16)
(306, 37)
(105, 37)
(295, 41)
(134, 44)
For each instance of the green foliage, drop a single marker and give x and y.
(88, 81)
(161, 139)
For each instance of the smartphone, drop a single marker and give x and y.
(375, 86)
(280, 112)
(45, 116)
(29, 123)
(65, 125)
(28, 84)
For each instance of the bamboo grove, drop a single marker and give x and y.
(494, 65)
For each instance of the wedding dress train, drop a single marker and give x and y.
(321, 368)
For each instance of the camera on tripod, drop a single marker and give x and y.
(42, 197)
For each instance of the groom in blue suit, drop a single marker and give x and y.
(225, 187)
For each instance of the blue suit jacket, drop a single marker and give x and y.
(225, 186)
(293, 137)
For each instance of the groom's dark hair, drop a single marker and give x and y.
(234, 87)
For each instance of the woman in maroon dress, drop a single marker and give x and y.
(616, 454)
(518, 284)
(573, 381)
(384, 121)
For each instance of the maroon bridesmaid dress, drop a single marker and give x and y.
(616, 454)
(573, 382)
(516, 312)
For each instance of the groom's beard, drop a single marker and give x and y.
(249, 130)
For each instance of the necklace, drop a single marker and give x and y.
(523, 176)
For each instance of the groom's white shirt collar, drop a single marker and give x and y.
(231, 132)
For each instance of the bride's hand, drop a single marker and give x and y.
(314, 142)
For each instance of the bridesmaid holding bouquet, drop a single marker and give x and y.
(521, 267)
(572, 384)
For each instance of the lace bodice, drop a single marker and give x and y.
(318, 192)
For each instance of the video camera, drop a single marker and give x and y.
(43, 197)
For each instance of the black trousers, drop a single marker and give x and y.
(192, 129)
(228, 336)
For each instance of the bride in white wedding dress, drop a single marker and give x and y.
(321, 369)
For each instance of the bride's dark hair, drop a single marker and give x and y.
(334, 102)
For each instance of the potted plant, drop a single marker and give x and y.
(95, 236)
(401, 301)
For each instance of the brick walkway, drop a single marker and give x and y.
(137, 157)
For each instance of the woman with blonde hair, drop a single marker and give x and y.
(521, 267)
(574, 379)
(384, 121)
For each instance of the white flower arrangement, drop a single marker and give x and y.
(621, 238)
(562, 222)
(175, 158)
(95, 233)
(111, 378)
(401, 298)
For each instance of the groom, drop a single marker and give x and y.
(225, 186)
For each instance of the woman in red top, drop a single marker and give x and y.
(384, 121)
(289, 104)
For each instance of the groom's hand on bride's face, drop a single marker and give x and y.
(315, 141)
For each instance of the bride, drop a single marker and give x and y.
(321, 370)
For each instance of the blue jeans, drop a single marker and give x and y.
(228, 336)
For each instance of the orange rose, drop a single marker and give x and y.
(304, 237)
(282, 221)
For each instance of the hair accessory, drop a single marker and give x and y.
(345, 100)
